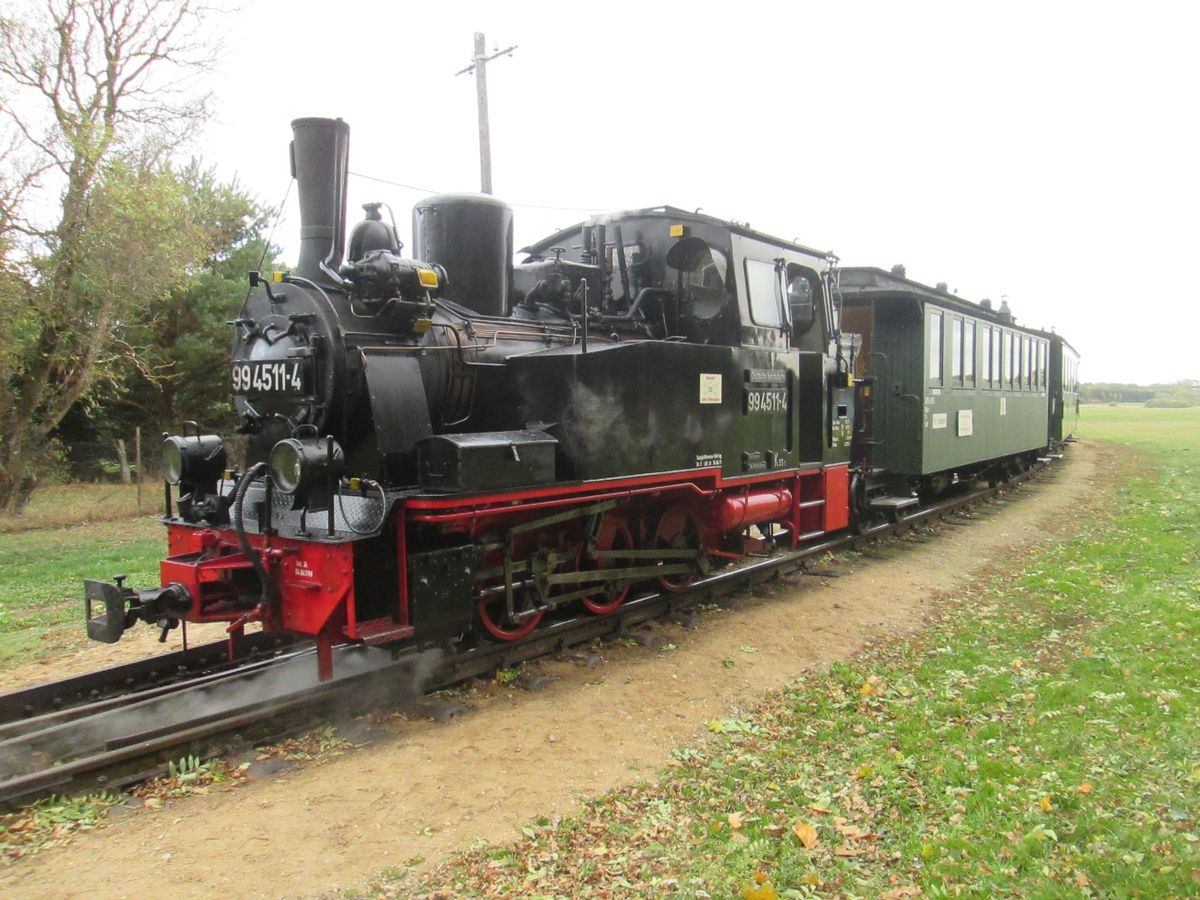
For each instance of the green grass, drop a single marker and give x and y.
(1042, 738)
(50, 822)
(42, 573)
(1162, 429)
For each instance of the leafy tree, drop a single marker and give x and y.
(183, 372)
(95, 98)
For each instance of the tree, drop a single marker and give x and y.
(185, 370)
(95, 99)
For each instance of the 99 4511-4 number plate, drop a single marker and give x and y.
(268, 377)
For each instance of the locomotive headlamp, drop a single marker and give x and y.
(300, 464)
(193, 458)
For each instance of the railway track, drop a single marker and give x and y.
(85, 733)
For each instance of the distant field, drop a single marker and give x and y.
(70, 504)
(1141, 427)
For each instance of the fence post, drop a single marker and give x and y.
(137, 456)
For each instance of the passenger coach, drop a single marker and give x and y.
(953, 390)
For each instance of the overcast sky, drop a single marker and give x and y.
(1047, 152)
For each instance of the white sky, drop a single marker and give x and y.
(1043, 151)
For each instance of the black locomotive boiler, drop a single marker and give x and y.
(448, 443)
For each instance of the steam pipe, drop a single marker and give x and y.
(622, 262)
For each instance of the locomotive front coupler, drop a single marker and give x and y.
(123, 607)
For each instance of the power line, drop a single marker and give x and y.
(429, 190)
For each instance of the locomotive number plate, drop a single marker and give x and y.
(268, 377)
(765, 400)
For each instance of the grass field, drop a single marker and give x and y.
(1042, 739)
(41, 580)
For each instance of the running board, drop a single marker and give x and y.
(893, 503)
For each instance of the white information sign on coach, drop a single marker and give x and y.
(966, 422)
(710, 387)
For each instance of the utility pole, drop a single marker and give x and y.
(479, 67)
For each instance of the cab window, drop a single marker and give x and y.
(801, 299)
(762, 282)
(704, 282)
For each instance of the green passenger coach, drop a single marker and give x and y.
(954, 390)
(1064, 390)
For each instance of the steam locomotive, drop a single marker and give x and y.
(453, 444)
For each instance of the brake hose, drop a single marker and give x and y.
(239, 497)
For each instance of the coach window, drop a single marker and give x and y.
(997, 356)
(935, 347)
(1027, 351)
(1007, 359)
(762, 281)
(985, 334)
(956, 350)
(969, 354)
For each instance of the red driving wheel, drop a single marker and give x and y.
(614, 534)
(677, 530)
(493, 618)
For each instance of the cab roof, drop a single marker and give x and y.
(674, 214)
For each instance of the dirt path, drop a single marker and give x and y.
(431, 789)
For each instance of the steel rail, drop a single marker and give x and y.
(78, 690)
(346, 692)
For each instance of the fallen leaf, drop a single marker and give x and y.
(806, 833)
(1045, 804)
(1085, 788)
(735, 821)
(846, 850)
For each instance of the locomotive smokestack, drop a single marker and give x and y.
(320, 165)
